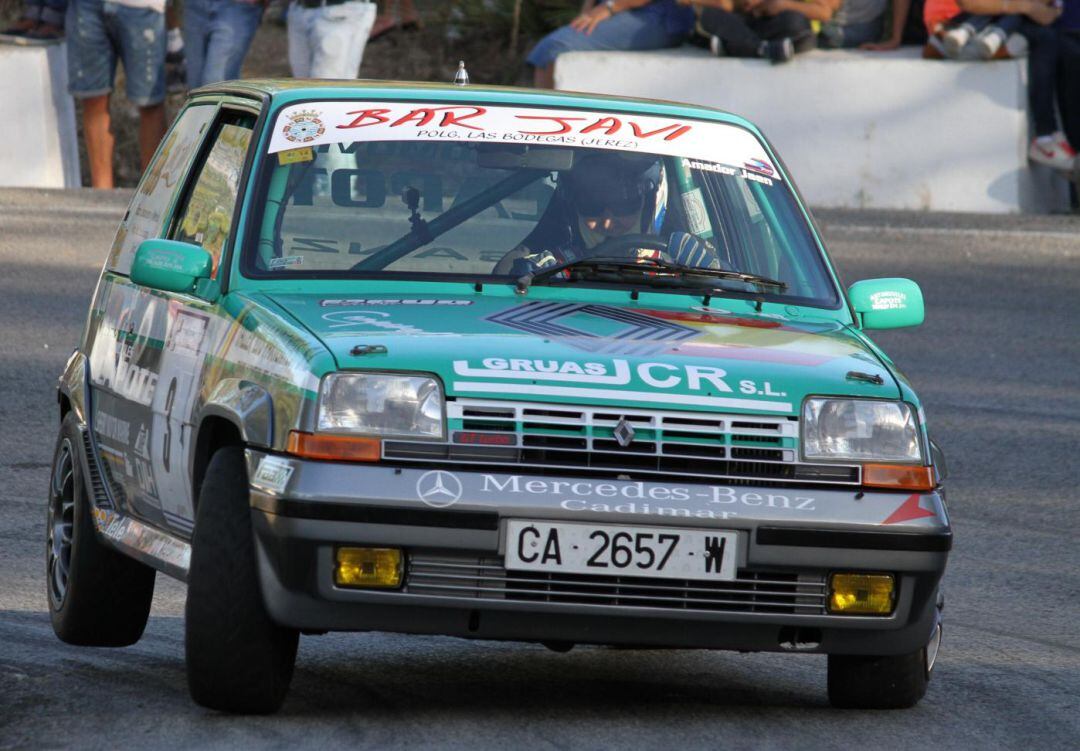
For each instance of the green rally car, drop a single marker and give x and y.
(497, 364)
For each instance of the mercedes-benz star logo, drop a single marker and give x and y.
(438, 489)
(624, 432)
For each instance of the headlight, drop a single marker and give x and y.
(859, 430)
(380, 404)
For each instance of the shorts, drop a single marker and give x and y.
(99, 33)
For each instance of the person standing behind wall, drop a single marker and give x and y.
(1068, 73)
(99, 33)
(1068, 82)
(327, 37)
(217, 35)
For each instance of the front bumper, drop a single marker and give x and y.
(452, 522)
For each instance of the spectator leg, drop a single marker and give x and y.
(834, 36)
(1068, 99)
(196, 33)
(230, 34)
(1009, 24)
(151, 131)
(298, 23)
(338, 36)
(53, 13)
(736, 34)
(1042, 75)
(787, 24)
(1068, 90)
(362, 19)
(97, 130)
(544, 77)
(628, 30)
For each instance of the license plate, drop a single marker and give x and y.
(655, 552)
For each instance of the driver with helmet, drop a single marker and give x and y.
(606, 196)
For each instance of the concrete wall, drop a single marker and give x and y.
(38, 140)
(858, 129)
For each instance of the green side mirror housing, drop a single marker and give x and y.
(887, 303)
(171, 266)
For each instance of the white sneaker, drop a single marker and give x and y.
(954, 40)
(989, 41)
(1016, 45)
(1053, 151)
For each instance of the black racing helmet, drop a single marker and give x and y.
(619, 181)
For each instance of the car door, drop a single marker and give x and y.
(195, 328)
(127, 323)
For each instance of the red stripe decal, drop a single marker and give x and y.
(908, 511)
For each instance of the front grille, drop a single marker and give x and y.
(478, 577)
(556, 439)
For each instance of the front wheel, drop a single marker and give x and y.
(238, 660)
(97, 596)
(894, 682)
(860, 682)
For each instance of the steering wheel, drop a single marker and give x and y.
(613, 245)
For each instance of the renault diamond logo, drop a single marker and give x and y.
(624, 433)
(438, 489)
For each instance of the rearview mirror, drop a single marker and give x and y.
(513, 156)
(170, 266)
(887, 303)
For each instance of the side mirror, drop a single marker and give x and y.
(171, 266)
(887, 303)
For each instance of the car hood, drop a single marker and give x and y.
(544, 350)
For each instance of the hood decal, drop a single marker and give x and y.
(661, 377)
(754, 354)
(580, 352)
(584, 324)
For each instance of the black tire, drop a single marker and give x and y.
(97, 596)
(860, 682)
(238, 660)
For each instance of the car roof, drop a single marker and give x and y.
(290, 90)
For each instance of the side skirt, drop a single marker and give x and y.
(151, 546)
(165, 552)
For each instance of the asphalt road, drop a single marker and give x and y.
(997, 364)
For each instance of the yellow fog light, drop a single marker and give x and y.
(861, 594)
(368, 567)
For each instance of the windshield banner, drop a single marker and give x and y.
(319, 123)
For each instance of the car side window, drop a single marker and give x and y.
(150, 205)
(206, 218)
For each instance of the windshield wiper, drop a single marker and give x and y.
(654, 271)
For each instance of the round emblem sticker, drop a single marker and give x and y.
(304, 126)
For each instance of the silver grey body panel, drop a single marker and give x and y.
(614, 501)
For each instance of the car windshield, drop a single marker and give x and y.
(492, 194)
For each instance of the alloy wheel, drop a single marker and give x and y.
(61, 522)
